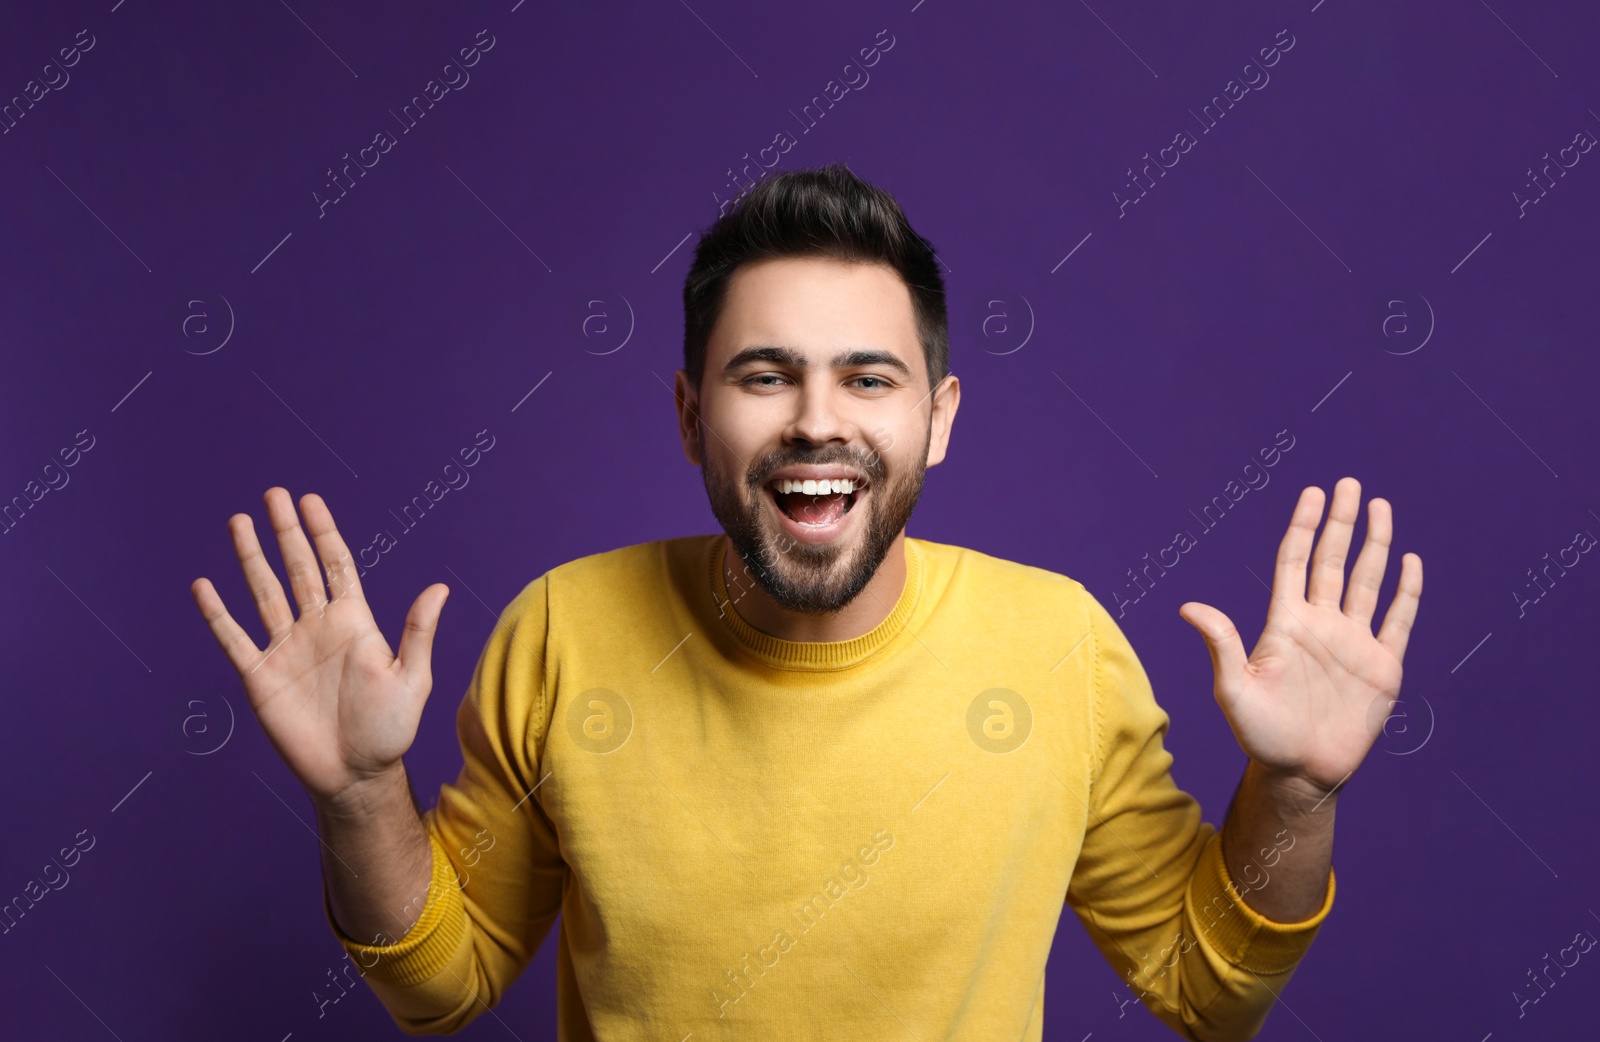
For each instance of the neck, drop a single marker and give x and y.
(862, 615)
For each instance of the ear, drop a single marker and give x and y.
(688, 405)
(946, 399)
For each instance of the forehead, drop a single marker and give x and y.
(815, 304)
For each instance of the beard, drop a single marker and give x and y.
(813, 578)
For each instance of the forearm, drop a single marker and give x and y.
(376, 859)
(1279, 830)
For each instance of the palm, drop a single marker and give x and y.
(336, 702)
(329, 697)
(1314, 693)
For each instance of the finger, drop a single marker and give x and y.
(344, 579)
(305, 578)
(264, 587)
(1333, 549)
(235, 642)
(416, 642)
(1289, 575)
(1402, 613)
(1361, 600)
(1228, 657)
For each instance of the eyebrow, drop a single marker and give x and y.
(790, 357)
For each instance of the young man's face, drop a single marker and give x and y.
(814, 365)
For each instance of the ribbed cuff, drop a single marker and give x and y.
(431, 942)
(1239, 933)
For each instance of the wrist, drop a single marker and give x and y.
(367, 797)
(1294, 794)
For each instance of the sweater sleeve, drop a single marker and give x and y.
(1150, 884)
(498, 875)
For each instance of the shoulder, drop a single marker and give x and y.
(620, 563)
(609, 588)
(597, 602)
(992, 578)
(626, 567)
(1001, 599)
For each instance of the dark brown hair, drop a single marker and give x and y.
(823, 212)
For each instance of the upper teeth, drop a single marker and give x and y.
(814, 488)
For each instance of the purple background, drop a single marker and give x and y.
(1245, 295)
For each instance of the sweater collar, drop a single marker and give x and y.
(814, 655)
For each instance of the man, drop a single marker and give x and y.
(813, 778)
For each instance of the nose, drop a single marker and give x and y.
(817, 419)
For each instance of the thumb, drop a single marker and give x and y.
(1228, 656)
(416, 643)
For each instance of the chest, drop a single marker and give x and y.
(715, 826)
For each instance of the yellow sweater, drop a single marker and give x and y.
(754, 838)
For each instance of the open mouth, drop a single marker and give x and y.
(816, 509)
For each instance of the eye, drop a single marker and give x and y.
(882, 383)
(747, 381)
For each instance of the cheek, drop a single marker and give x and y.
(740, 433)
(882, 448)
(901, 451)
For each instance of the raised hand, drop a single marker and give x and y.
(339, 706)
(1311, 699)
